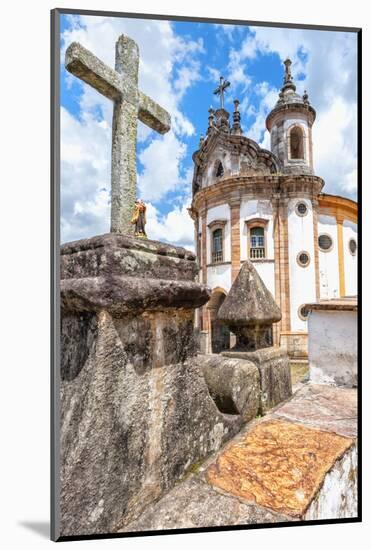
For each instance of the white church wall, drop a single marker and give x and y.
(249, 210)
(332, 347)
(266, 272)
(350, 261)
(302, 279)
(219, 276)
(328, 261)
(221, 212)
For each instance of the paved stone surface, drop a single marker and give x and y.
(324, 407)
(278, 465)
(275, 469)
(194, 504)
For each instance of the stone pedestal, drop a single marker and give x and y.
(274, 370)
(135, 409)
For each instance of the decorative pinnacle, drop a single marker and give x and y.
(288, 75)
(236, 128)
(288, 83)
(211, 119)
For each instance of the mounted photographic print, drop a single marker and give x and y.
(205, 312)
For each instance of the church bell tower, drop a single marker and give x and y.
(290, 126)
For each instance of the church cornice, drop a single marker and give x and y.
(291, 108)
(339, 207)
(271, 187)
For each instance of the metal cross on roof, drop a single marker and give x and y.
(220, 90)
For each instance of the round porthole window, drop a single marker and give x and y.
(325, 243)
(353, 247)
(303, 259)
(303, 313)
(301, 209)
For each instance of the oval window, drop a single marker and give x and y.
(301, 209)
(325, 242)
(353, 247)
(303, 259)
(303, 313)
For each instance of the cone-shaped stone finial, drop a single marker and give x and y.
(250, 310)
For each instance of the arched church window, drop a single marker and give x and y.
(257, 243)
(296, 143)
(219, 170)
(217, 246)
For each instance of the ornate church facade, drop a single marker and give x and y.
(269, 207)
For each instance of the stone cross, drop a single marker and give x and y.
(121, 86)
(220, 90)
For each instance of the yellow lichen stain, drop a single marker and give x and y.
(279, 465)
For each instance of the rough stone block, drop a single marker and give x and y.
(195, 504)
(234, 384)
(275, 376)
(135, 410)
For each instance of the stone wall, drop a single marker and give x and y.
(332, 343)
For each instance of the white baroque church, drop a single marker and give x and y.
(269, 206)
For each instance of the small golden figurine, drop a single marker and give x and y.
(139, 219)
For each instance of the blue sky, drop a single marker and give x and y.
(180, 66)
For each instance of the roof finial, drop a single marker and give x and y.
(288, 75)
(211, 119)
(236, 128)
(288, 82)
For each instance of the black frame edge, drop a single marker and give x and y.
(54, 275)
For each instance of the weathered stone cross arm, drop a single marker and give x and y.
(114, 85)
(83, 64)
(152, 114)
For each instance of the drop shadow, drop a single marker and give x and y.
(42, 528)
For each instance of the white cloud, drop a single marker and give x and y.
(336, 159)
(328, 62)
(86, 142)
(267, 98)
(85, 177)
(159, 50)
(176, 227)
(161, 160)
